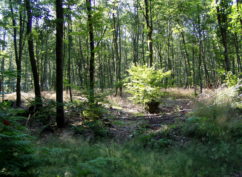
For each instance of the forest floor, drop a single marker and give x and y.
(126, 121)
(123, 119)
(128, 141)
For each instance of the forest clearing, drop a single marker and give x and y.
(111, 88)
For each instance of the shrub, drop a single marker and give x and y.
(216, 117)
(231, 79)
(93, 112)
(16, 152)
(144, 84)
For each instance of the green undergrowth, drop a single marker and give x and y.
(207, 143)
(17, 158)
(75, 157)
(92, 130)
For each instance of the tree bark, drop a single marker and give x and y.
(60, 119)
(38, 99)
(92, 52)
(2, 67)
(18, 89)
(19, 61)
(222, 7)
(117, 54)
(69, 54)
(149, 24)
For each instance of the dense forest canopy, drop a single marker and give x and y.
(198, 40)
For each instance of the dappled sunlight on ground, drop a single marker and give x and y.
(124, 104)
(51, 95)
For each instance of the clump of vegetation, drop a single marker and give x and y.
(93, 125)
(80, 158)
(144, 84)
(16, 150)
(231, 79)
(217, 117)
(93, 112)
(43, 115)
(92, 130)
(198, 159)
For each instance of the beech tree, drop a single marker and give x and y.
(92, 52)
(59, 64)
(38, 100)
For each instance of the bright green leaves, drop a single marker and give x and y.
(144, 83)
(231, 79)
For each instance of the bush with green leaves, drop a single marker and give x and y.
(16, 151)
(145, 83)
(231, 79)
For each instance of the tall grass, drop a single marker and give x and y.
(214, 148)
(77, 158)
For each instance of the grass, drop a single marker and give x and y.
(179, 93)
(212, 147)
(75, 157)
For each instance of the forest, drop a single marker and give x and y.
(120, 88)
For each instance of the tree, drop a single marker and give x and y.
(38, 100)
(60, 119)
(149, 24)
(92, 52)
(222, 16)
(117, 48)
(17, 49)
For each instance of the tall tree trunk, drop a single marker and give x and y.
(237, 48)
(38, 100)
(188, 72)
(200, 55)
(60, 119)
(81, 64)
(149, 24)
(19, 61)
(2, 67)
(92, 52)
(69, 53)
(117, 54)
(44, 78)
(18, 89)
(222, 9)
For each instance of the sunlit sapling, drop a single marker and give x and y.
(144, 84)
(231, 79)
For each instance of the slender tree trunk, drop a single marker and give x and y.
(18, 89)
(117, 54)
(2, 67)
(38, 99)
(92, 52)
(19, 61)
(149, 24)
(222, 7)
(188, 72)
(200, 66)
(237, 48)
(69, 55)
(60, 119)
(81, 63)
(194, 72)
(44, 81)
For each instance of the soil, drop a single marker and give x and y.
(122, 123)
